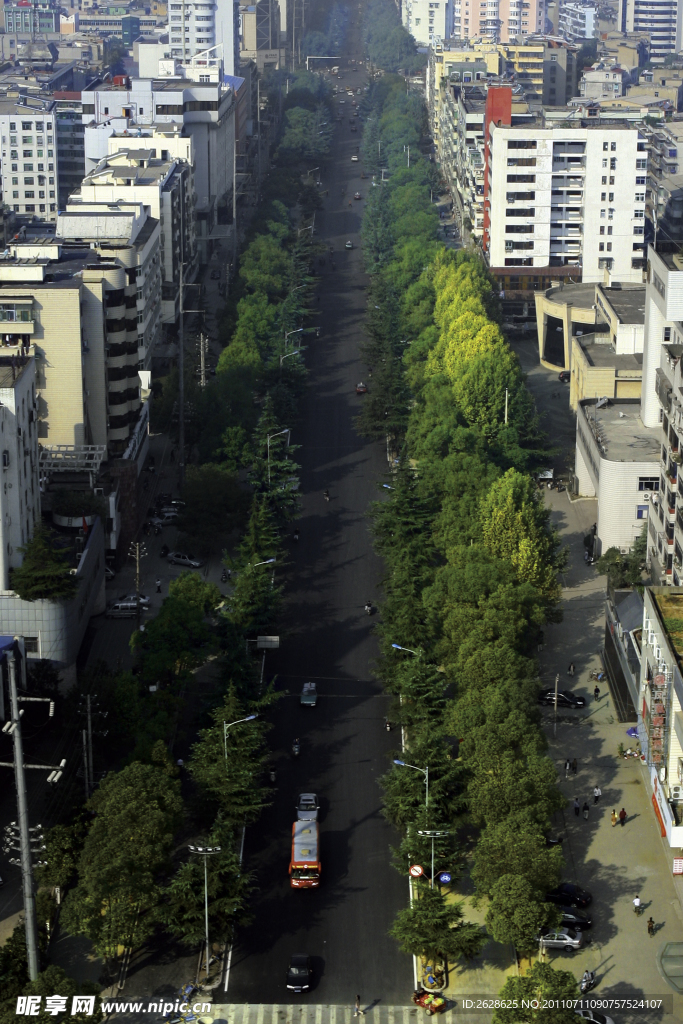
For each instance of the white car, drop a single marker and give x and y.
(562, 938)
(354, 159)
(144, 601)
(307, 807)
(594, 1017)
(178, 558)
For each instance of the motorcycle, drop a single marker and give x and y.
(271, 775)
(165, 550)
(296, 748)
(387, 725)
(224, 577)
(368, 608)
(587, 982)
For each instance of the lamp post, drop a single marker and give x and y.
(433, 834)
(294, 352)
(425, 772)
(285, 431)
(399, 648)
(205, 852)
(227, 726)
(297, 330)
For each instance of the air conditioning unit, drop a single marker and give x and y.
(646, 495)
(658, 653)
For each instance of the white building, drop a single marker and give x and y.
(568, 197)
(191, 27)
(661, 19)
(577, 21)
(203, 111)
(604, 82)
(428, 21)
(29, 160)
(20, 491)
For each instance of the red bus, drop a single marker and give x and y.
(304, 869)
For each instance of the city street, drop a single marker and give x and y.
(327, 639)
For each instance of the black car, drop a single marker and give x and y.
(565, 698)
(573, 919)
(564, 377)
(569, 895)
(299, 974)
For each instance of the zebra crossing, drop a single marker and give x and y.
(279, 1013)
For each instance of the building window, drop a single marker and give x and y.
(28, 181)
(613, 147)
(648, 483)
(30, 208)
(605, 147)
(602, 229)
(609, 247)
(609, 230)
(603, 197)
(28, 167)
(641, 511)
(15, 195)
(601, 247)
(639, 230)
(29, 195)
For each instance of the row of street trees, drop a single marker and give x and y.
(121, 861)
(471, 570)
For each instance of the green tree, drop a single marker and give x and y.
(517, 911)
(136, 812)
(537, 996)
(173, 643)
(50, 982)
(193, 590)
(625, 570)
(517, 846)
(44, 573)
(434, 929)
(214, 506)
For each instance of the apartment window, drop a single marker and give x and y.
(609, 230)
(641, 181)
(613, 163)
(15, 167)
(613, 147)
(604, 162)
(12, 126)
(15, 181)
(41, 195)
(601, 247)
(604, 180)
(641, 165)
(602, 214)
(610, 214)
(641, 511)
(638, 229)
(16, 209)
(603, 197)
(611, 179)
(15, 195)
(605, 147)
(28, 167)
(52, 207)
(42, 208)
(52, 195)
(609, 247)
(28, 181)
(26, 126)
(611, 197)
(27, 153)
(648, 483)
(30, 208)
(29, 195)
(602, 229)
(638, 214)
(640, 197)
(667, 337)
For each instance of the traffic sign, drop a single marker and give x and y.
(444, 877)
(416, 870)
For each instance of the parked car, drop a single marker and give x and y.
(348, 245)
(299, 975)
(307, 808)
(564, 377)
(562, 938)
(569, 895)
(163, 519)
(122, 609)
(354, 159)
(357, 195)
(168, 511)
(573, 919)
(189, 561)
(309, 695)
(144, 601)
(565, 698)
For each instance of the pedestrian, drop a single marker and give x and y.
(575, 766)
(570, 670)
(585, 810)
(567, 768)
(596, 693)
(158, 586)
(358, 1012)
(650, 927)
(615, 819)
(577, 807)
(597, 793)
(622, 817)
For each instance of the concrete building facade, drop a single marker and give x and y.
(29, 168)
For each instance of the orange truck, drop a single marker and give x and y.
(304, 868)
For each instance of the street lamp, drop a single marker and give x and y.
(227, 726)
(294, 352)
(297, 330)
(432, 834)
(425, 772)
(399, 648)
(205, 852)
(285, 431)
(267, 561)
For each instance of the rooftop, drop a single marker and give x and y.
(669, 604)
(627, 303)
(599, 352)
(624, 437)
(577, 294)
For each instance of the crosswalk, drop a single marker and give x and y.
(279, 1013)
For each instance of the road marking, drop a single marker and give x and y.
(318, 1015)
(323, 1013)
(259, 1015)
(290, 1014)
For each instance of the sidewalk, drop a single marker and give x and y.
(615, 864)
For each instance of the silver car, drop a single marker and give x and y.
(563, 938)
(144, 601)
(178, 558)
(307, 807)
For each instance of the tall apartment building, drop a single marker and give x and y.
(165, 187)
(661, 19)
(191, 27)
(34, 17)
(498, 20)
(29, 159)
(603, 82)
(527, 62)
(205, 111)
(70, 144)
(20, 490)
(578, 21)
(556, 196)
(559, 72)
(428, 21)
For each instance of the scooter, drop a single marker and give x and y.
(387, 725)
(271, 775)
(224, 577)
(368, 608)
(587, 983)
(296, 748)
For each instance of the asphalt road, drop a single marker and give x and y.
(328, 638)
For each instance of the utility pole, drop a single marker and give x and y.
(91, 781)
(205, 852)
(234, 207)
(86, 773)
(137, 550)
(203, 346)
(31, 924)
(258, 126)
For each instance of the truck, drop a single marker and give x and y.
(304, 867)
